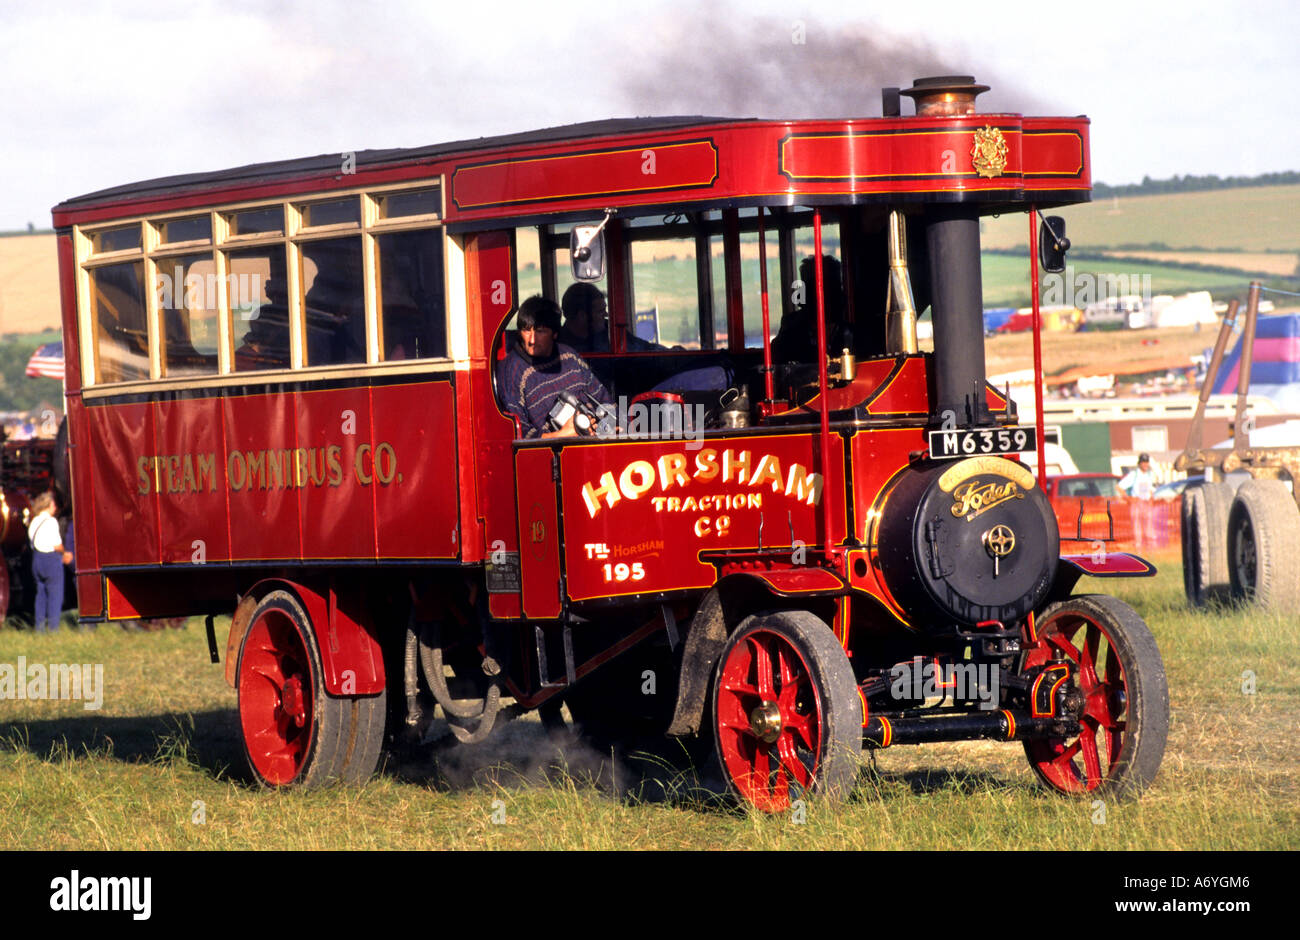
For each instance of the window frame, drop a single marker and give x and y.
(290, 238)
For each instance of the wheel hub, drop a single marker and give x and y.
(765, 722)
(291, 701)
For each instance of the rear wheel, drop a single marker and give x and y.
(295, 733)
(787, 718)
(1205, 543)
(1118, 674)
(1264, 544)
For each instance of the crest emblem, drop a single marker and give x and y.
(989, 154)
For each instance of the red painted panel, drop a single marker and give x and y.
(416, 499)
(539, 531)
(334, 473)
(260, 438)
(190, 482)
(82, 468)
(670, 503)
(906, 393)
(90, 595)
(652, 166)
(801, 580)
(927, 152)
(68, 300)
(125, 493)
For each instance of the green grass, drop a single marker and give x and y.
(1249, 218)
(1006, 278)
(129, 775)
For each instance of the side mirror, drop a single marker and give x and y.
(587, 252)
(1052, 244)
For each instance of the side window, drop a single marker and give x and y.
(260, 320)
(188, 304)
(120, 322)
(665, 293)
(413, 310)
(334, 300)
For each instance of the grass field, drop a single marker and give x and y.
(160, 767)
(1251, 218)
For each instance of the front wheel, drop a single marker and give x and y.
(787, 717)
(1118, 674)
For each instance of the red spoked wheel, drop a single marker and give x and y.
(787, 715)
(295, 732)
(1120, 679)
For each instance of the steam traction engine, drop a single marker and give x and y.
(843, 553)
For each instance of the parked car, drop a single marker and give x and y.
(1090, 507)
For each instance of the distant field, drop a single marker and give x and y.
(1272, 263)
(1006, 279)
(29, 284)
(1251, 218)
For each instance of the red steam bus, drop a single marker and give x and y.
(285, 404)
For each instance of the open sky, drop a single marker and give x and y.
(100, 94)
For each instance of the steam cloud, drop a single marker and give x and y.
(725, 62)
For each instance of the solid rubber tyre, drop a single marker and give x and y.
(1264, 545)
(1205, 543)
(1126, 698)
(787, 716)
(295, 734)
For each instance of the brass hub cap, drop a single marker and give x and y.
(765, 722)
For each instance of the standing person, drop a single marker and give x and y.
(1140, 485)
(48, 558)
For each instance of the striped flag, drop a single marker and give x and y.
(46, 362)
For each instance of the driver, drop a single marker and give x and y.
(538, 369)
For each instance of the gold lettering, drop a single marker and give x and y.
(332, 454)
(633, 488)
(142, 472)
(672, 469)
(187, 476)
(701, 526)
(256, 461)
(971, 499)
(173, 473)
(733, 466)
(674, 504)
(706, 464)
(236, 470)
(658, 501)
(769, 468)
(608, 488)
(363, 475)
(802, 485)
(207, 469)
(385, 456)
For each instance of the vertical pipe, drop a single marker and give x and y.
(823, 397)
(957, 302)
(1038, 346)
(1195, 434)
(767, 325)
(1240, 435)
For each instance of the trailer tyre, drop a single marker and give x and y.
(1118, 673)
(1263, 545)
(787, 717)
(295, 733)
(1205, 543)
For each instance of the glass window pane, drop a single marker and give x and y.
(411, 295)
(117, 239)
(334, 212)
(260, 314)
(411, 202)
(197, 228)
(121, 330)
(664, 286)
(334, 296)
(257, 221)
(528, 262)
(187, 298)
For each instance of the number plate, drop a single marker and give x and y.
(972, 443)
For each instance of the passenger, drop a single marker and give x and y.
(48, 558)
(539, 368)
(796, 341)
(586, 322)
